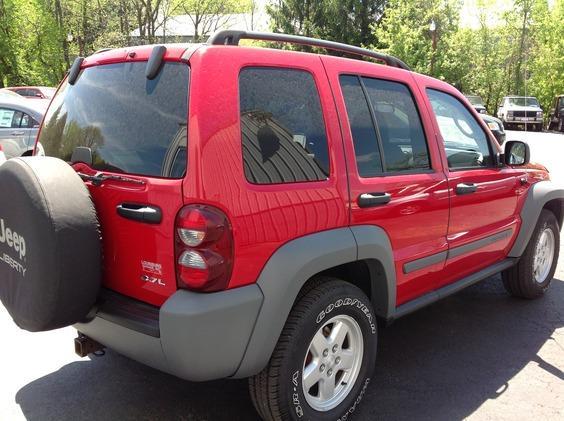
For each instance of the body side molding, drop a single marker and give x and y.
(450, 289)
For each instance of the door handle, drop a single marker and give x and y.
(466, 188)
(367, 200)
(18, 133)
(140, 213)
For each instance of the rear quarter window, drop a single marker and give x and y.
(282, 127)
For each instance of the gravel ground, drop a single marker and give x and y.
(478, 355)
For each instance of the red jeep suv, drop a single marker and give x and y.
(220, 211)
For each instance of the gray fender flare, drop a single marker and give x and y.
(538, 196)
(289, 268)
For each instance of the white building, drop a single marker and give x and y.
(182, 28)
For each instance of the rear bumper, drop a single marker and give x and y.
(200, 336)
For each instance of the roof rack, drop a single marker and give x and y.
(101, 50)
(232, 37)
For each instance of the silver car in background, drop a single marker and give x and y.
(19, 124)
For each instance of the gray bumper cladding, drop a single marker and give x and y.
(538, 196)
(202, 336)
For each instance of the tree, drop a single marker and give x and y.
(348, 21)
(406, 31)
(208, 15)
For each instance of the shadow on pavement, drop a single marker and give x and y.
(442, 362)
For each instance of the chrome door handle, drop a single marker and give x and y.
(367, 200)
(466, 188)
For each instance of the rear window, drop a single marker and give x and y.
(132, 124)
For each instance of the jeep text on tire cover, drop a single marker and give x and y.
(12, 239)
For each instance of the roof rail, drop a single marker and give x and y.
(232, 37)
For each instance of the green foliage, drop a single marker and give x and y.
(348, 21)
(522, 52)
(512, 51)
(405, 32)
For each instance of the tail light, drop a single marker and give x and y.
(204, 248)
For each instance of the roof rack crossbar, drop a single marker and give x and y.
(232, 37)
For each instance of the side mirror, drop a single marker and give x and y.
(517, 153)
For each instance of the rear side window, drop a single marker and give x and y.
(466, 144)
(9, 118)
(131, 124)
(386, 128)
(15, 119)
(282, 128)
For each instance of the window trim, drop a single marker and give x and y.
(330, 175)
(385, 173)
(442, 145)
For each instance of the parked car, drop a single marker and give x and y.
(19, 124)
(556, 115)
(34, 92)
(260, 219)
(477, 102)
(521, 110)
(6, 93)
(496, 127)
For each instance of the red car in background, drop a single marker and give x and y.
(35, 92)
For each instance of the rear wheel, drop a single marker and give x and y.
(323, 361)
(531, 277)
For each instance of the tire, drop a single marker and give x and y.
(278, 392)
(50, 250)
(522, 280)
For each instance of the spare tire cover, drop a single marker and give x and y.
(50, 248)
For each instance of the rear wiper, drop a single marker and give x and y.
(98, 179)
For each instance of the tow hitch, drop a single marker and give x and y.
(83, 345)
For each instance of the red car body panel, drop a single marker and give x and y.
(416, 219)
(424, 217)
(263, 217)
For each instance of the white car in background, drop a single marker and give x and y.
(521, 110)
(19, 124)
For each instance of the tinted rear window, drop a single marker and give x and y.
(132, 124)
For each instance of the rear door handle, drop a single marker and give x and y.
(367, 200)
(466, 188)
(140, 213)
(18, 133)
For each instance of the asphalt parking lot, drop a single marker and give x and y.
(478, 355)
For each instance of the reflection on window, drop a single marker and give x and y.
(282, 127)
(366, 149)
(398, 138)
(131, 124)
(466, 144)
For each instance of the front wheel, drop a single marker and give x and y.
(531, 277)
(323, 361)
